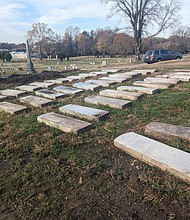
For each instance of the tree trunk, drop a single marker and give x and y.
(137, 48)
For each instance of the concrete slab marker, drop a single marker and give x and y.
(57, 81)
(68, 90)
(12, 108)
(112, 70)
(103, 83)
(182, 78)
(12, 92)
(163, 76)
(64, 123)
(164, 131)
(114, 103)
(146, 72)
(2, 97)
(88, 75)
(115, 79)
(172, 160)
(84, 112)
(128, 75)
(99, 73)
(36, 101)
(182, 70)
(28, 88)
(120, 94)
(72, 78)
(139, 89)
(87, 86)
(50, 94)
(42, 84)
(153, 85)
(181, 73)
(161, 80)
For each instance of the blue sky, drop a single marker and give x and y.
(17, 16)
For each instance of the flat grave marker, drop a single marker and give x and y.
(50, 94)
(167, 131)
(146, 72)
(42, 84)
(12, 108)
(139, 89)
(161, 80)
(28, 88)
(182, 70)
(103, 83)
(120, 94)
(57, 81)
(64, 123)
(128, 75)
(84, 112)
(114, 103)
(36, 101)
(182, 78)
(12, 92)
(153, 85)
(68, 90)
(100, 72)
(172, 160)
(72, 78)
(181, 73)
(112, 70)
(115, 79)
(87, 86)
(88, 74)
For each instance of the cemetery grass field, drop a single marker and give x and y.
(48, 174)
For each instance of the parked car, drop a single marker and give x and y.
(152, 56)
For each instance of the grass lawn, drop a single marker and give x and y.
(48, 174)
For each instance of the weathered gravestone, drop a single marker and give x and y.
(120, 94)
(64, 123)
(104, 63)
(153, 84)
(28, 88)
(50, 94)
(172, 160)
(164, 131)
(68, 90)
(36, 101)
(12, 108)
(139, 89)
(12, 92)
(87, 86)
(114, 103)
(84, 112)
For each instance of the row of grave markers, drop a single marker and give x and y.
(165, 157)
(175, 161)
(119, 98)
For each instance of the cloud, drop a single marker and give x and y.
(8, 11)
(17, 16)
(60, 15)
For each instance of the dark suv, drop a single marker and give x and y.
(153, 56)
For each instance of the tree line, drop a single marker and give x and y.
(100, 42)
(142, 17)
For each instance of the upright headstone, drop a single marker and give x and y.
(104, 63)
(30, 66)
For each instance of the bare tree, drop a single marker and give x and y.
(180, 39)
(39, 36)
(146, 15)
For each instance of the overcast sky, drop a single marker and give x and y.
(17, 16)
